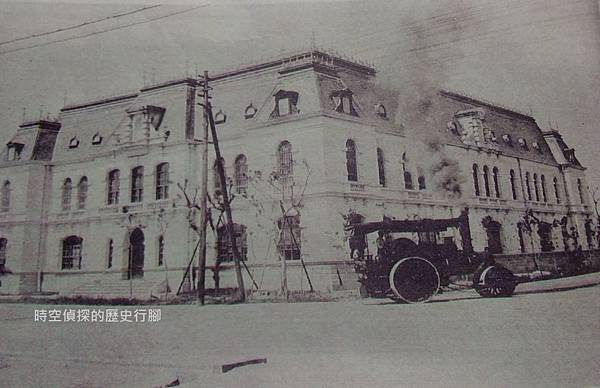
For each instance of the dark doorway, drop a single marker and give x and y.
(136, 254)
(494, 237)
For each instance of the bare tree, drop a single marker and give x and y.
(290, 197)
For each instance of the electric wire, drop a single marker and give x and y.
(75, 26)
(103, 31)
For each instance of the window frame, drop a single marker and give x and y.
(161, 181)
(224, 250)
(475, 175)
(66, 195)
(72, 248)
(241, 174)
(6, 193)
(351, 161)
(113, 187)
(3, 252)
(285, 163)
(82, 190)
(285, 245)
(137, 184)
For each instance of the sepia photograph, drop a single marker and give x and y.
(299, 193)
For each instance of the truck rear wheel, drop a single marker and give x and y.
(414, 280)
(494, 281)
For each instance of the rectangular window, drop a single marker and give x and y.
(71, 253)
(3, 244)
(283, 105)
(110, 253)
(161, 250)
(113, 187)
(162, 181)
(137, 184)
(289, 244)
(225, 250)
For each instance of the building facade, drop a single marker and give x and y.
(100, 202)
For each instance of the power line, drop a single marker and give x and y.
(84, 24)
(104, 31)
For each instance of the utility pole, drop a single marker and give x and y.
(229, 225)
(204, 192)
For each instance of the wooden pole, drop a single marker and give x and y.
(203, 193)
(229, 225)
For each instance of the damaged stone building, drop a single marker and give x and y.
(99, 197)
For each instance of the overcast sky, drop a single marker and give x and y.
(539, 56)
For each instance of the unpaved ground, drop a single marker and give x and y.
(545, 340)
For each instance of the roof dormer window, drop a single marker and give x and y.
(522, 143)
(250, 112)
(343, 102)
(97, 139)
(536, 146)
(381, 111)
(14, 151)
(220, 117)
(507, 139)
(74, 142)
(286, 103)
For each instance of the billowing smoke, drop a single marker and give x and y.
(447, 177)
(418, 71)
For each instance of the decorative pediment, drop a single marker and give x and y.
(343, 101)
(472, 129)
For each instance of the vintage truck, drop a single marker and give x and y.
(413, 272)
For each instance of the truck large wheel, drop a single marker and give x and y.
(494, 281)
(414, 280)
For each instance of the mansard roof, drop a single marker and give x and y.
(320, 79)
(447, 106)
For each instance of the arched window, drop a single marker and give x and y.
(225, 250)
(408, 182)
(66, 194)
(71, 252)
(536, 187)
(5, 205)
(421, 181)
(289, 245)
(3, 245)
(528, 186)
(580, 190)
(162, 181)
(113, 185)
(381, 166)
(216, 176)
(496, 182)
(543, 183)
(513, 185)
(351, 167)
(110, 252)
(161, 250)
(476, 179)
(285, 163)
(486, 180)
(137, 184)
(241, 174)
(556, 190)
(521, 237)
(82, 189)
